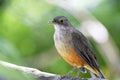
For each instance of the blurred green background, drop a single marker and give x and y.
(26, 38)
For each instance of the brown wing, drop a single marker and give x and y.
(83, 48)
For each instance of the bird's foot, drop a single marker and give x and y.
(82, 69)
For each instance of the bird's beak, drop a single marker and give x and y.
(51, 22)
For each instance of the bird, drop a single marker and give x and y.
(74, 47)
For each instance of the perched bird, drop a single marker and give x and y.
(74, 47)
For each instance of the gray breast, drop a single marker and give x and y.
(62, 40)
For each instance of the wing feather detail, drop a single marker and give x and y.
(83, 48)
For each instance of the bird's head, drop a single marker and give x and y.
(61, 21)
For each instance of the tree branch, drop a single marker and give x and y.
(41, 75)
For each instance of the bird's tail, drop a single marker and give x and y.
(95, 73)
(100, 75)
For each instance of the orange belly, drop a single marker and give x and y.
(71, 56)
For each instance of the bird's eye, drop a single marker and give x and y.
(61, 21)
